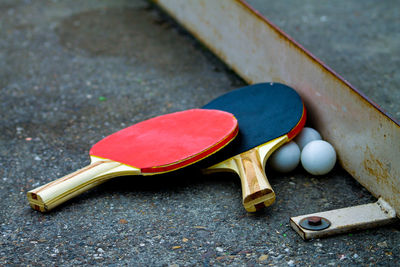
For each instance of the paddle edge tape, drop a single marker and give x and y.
(300, 125)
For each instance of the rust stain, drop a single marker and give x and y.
(375, 167)
(386, 187)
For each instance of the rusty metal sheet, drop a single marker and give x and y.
(367, 140)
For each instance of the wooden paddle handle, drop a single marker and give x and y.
(256, 190)
(48, 196)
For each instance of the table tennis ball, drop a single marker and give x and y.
(286, 158)
(306, 136)
(318, 157)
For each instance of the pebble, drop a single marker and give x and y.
(318, 245)
(122, 221)
(278, 257)
(263, 257)
(382, 244)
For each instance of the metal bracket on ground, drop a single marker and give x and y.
(327, 223)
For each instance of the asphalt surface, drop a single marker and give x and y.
(72, 72)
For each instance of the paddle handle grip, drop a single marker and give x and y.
(48, 196)
(257, 192)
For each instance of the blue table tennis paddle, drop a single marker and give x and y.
(269, 115)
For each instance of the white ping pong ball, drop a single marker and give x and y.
(318, 157)
(286, 158)
(306, 136)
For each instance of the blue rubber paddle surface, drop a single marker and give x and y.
(264, 111)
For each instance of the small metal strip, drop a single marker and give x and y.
(347, 219)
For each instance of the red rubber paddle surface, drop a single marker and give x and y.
(169, 142)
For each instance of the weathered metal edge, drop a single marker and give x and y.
(317, 60)
(365, 137)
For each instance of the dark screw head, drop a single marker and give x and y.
(314, 223)
(314, 220)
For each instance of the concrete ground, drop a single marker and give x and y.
(72, 72)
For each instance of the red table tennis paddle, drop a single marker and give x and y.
(269, 115)
(158, 145)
